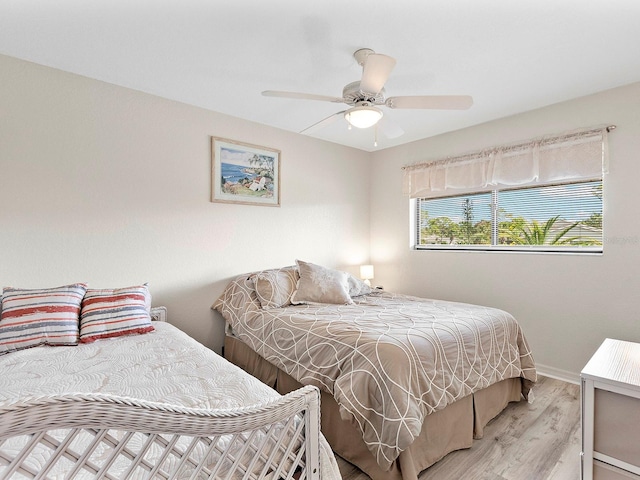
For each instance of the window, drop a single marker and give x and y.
(543, 194)
(560, 217)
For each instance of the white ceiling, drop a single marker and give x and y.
(510, 55)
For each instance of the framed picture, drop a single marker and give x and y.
(243, 173)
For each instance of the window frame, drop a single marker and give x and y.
(497, 248)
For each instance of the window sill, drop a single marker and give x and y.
(598, 251)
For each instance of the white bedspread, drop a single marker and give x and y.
(163, 366)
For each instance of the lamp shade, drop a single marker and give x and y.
(363, 116)
(366, 272)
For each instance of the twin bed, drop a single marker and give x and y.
(155, 405)
(404, 380)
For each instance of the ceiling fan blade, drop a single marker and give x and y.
(375, 72)
(436, 102)
(302, 96)
(389, 128)
(323, 123)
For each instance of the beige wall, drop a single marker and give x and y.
(110, 186)
(566, 304)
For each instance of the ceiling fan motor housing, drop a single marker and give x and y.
(353, 95)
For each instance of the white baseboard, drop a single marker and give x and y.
(558, 374)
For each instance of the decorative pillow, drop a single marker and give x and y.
(321, 285)
(357, 287)
(33, 317)
(115, 312)
(275, 288)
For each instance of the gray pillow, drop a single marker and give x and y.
(321, 285)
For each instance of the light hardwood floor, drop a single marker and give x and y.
(538, 441)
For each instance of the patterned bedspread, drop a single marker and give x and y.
(389, 359)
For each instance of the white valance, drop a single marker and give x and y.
(575, 156)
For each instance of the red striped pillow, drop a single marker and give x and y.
(35, 317)
(115, 312)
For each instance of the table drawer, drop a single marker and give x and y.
(603, 471)
(617, 426)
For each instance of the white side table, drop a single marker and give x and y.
(611, 412)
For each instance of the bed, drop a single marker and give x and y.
(404, 380)
(152, 405)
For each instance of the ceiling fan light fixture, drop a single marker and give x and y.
(363, 116)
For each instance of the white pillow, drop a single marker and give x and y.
(321, 285)
(357, 287)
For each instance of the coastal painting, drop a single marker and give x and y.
(244, 173)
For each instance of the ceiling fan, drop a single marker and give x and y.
(367, 94)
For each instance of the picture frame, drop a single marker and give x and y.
(244, 173)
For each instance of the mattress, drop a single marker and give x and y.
(164, 366)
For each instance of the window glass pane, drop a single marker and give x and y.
(561, 215)
(461, 220)
(550, 218)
